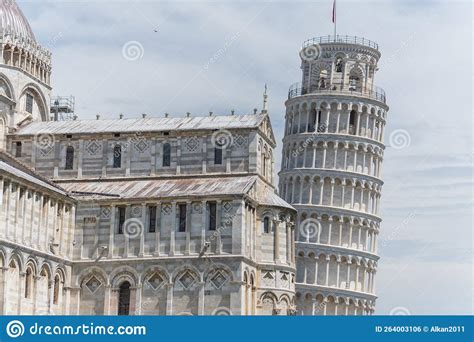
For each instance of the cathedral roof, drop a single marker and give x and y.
(270, 198)
(12, 21)
(153, 188)
(12, 166)
(161, 188)
(141, 125)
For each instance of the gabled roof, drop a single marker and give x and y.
(142, 125)
(268, 130)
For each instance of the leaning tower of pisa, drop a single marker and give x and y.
(332, 155)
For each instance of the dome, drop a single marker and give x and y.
(13, 21)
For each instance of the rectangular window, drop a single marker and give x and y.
(312, 122)
(117, 156)
(212, 215)
(69, 158)
(29, 103)
(182, 217)
(152, 219)
(20, 203)
(166, 155)
(121, 219)
(218, 155)
(18, 149)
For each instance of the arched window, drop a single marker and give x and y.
(352, 119)
(312, 121)
(56, 289)
(264, 164)
(339, 64)
(124, 299)
(117, 157)
(28, 282)
(323, 76)
(29, 103)
(166, 154)
(69, 158)
(266, 225)
(355, 79)
(321, 125)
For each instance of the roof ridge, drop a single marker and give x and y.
(137, 125)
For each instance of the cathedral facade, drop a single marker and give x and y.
(156, 216)
(180, 216)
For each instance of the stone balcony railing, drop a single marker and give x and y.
(341, 39)
(375, 93)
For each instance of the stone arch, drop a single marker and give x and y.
(218, 289)
(15, 255)
(123, 273)
(43, 289)
(33, 262)
(268, 301)
(155, 281)
(92, 282)
(10, 90)
(86, 273)
(59, 280)
(218, 266)
(154, 269)
(42, 103)
(186, 287)
(13, 282)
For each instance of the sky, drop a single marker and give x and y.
(135, 57)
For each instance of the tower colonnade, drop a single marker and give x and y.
(331, 173)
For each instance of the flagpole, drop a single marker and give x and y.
(335, 19)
